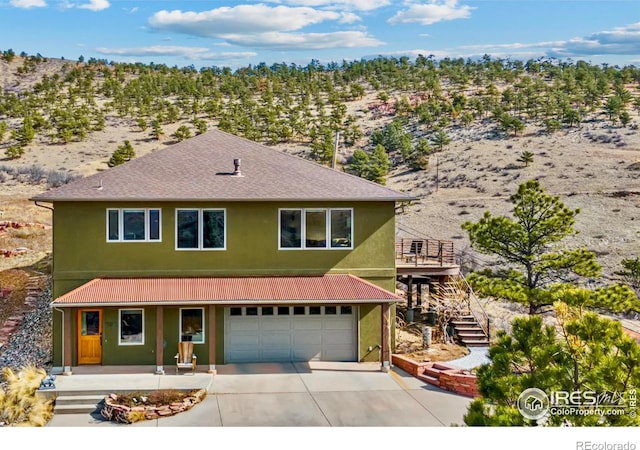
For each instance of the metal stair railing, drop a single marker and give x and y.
(476, 309)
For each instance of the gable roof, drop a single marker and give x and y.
(332, 289)
(201, 168)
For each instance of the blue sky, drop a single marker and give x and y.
(237, 33)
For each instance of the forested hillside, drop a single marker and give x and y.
(459, 134)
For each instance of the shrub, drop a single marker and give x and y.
(160, 397)
(19, 402)
(57, 178)
(14, 152)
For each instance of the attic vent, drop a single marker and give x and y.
(236, 164)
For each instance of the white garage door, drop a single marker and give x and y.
(290, 333)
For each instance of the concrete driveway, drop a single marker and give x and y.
(309, 394)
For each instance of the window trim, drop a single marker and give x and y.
(201, 247)
(120, 342)
(147, 224)
(203, 324)
(303, 225)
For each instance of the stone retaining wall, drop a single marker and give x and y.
(112, 410)
(450, 378)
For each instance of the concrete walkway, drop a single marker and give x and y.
(476, 357)
(286, 395)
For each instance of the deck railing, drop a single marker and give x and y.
(425, 252)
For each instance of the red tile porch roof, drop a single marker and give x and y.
(332, 289)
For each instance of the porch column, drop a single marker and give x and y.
(386, 337)
(419, 300)
(159, 340)
(410, 292)
(66, 342)
(212, 339)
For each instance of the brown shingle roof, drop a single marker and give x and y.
(201, 169)
(331, 289)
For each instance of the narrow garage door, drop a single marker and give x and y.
(290, 333)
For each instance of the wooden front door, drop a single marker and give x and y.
(89, 336)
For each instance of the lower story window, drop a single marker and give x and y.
(131, 327)
(192, 325)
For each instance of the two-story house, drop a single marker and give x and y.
(250, 253)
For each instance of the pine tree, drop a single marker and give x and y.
(183, 132)
(440, 139)
(590, 353)
(419, 159)
(526, 158)
(379, 164)
(123, 154)
(534, 266)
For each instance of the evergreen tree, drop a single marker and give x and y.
(590, 353)
(419, 159)
(4, 127)
(183, 132)
(526, 158)
(379, 164)
(122, 154)
(534, 266)
(156, 129)
(359, 164)
(373, 168)
(14, 152)
(631, 273)
(440, 139)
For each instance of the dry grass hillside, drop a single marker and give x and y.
(594, 167)
(586, 167)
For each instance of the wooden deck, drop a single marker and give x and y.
(425, 256)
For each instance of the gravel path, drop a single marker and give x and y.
(31, 343)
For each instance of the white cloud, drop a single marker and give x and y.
(619, 41)
(264, 26)
(359, 5)
(165, 50)
(432, 12)
(26, 4)
(189, 53)
(347, 17)
(304, 41)
(95, 5)
(250, 19)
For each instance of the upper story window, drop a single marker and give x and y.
(137, 224)
(314, 228)
(201, 229)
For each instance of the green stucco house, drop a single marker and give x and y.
(250, 253)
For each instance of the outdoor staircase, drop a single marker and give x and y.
(471, 326)
(469, 332)
(77, 402)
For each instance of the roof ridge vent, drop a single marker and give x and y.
(236, 164)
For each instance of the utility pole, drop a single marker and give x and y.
(335, 150)
(437, 172)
